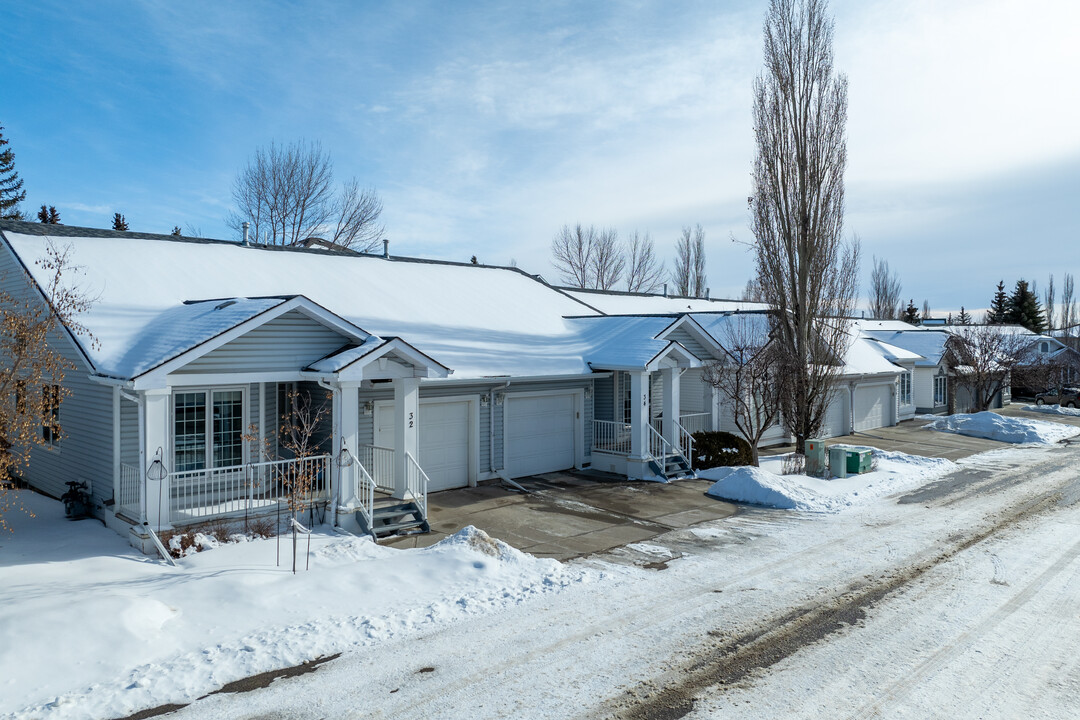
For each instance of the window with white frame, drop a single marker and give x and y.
(208, 429)
(905, 388)
(941, 390)
(50, 414)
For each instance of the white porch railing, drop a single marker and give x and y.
(659, 447)
(364, 487)
(379, 462)
(130, 501)
(611, 436)
(696, 422)
(215, 492)
(416, 482)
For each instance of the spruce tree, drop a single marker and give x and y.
(1025, 309)
(999, 306)
(119, 223)
(48, 215)
(176, 230)
(11, 192)
(963, 318)
(911, 313)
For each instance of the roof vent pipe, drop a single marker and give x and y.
(246, 225)
(665, 289)
(706, 293)
(386, 248)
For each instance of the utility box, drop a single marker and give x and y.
(858, 461)
(815, 457)
(838, 461)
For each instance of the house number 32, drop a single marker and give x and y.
(410, 419)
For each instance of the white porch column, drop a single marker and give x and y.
(350, 426)
(406, 424)
(639, 415)
(670, 378)
(156, 418)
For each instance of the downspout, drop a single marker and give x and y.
(500, 472)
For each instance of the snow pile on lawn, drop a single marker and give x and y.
(90, 628)
(1005, 429)
(765, 485)
(1053, 410)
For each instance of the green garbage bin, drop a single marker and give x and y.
(858, 461)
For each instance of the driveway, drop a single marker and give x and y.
(567, 515)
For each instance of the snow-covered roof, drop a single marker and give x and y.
(864, 358)
(930, 344)
(624, 342)
(892, 353)
(721, 325)
(624, 303)
(477, 320)
(884, 325)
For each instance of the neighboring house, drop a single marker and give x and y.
(930, 374)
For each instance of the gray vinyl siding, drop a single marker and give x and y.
(604, 397)
(656, 395)
(289, 342)
(688, 341)
(84, 451)
(693, 392)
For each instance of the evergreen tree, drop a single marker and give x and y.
(1024, 308)
(911, 313)
(963, 318)
(118, 222)
(999, 306)
(176, 230)
(11, 192)
(48, 215)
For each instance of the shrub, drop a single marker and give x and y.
(719, 449)
(793, 464)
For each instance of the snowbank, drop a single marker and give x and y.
(1053, 410)
(1004, 429)
(766, 486)
(90, 628)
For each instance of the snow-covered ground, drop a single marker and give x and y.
(90, 628)
(1053, 410)
(767, 486)
(473, 629)
(1004, 428)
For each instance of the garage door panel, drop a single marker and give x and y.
(442, 439)
(540, 434)
(835, 423)
(872, 407)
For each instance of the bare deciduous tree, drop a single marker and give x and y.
(32, 369)
(925, 315)
(806, 271)
(299, 435)
(644, 271)
(885, 290)
(983, 358)
(747, 376)
(1069, 315)
(571, 252)
(688, 273)
(286, 193)
(1051, 309)
(608, 260)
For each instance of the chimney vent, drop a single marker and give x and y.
(665, 289)
(246, 225)
(386, 248)
(706, 293)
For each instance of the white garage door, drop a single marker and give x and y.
(872, 407)
(539, 434)
(836, 417)
(443, 441)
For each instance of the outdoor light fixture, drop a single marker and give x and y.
(588, 393)
(157, 470)
(485, 400)
(499, 397)
(366, 407)
(344, 458)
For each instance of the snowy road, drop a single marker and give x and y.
(963, 600)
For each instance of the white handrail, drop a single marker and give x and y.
(380, 462)
(611, 436)
(659, 447)
(130, 500)
(686, 444)
(696, 422)
(416, 483)
(364, 487)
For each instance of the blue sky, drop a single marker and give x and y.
(486, 126)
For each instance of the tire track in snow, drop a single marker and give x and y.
(906, 684)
